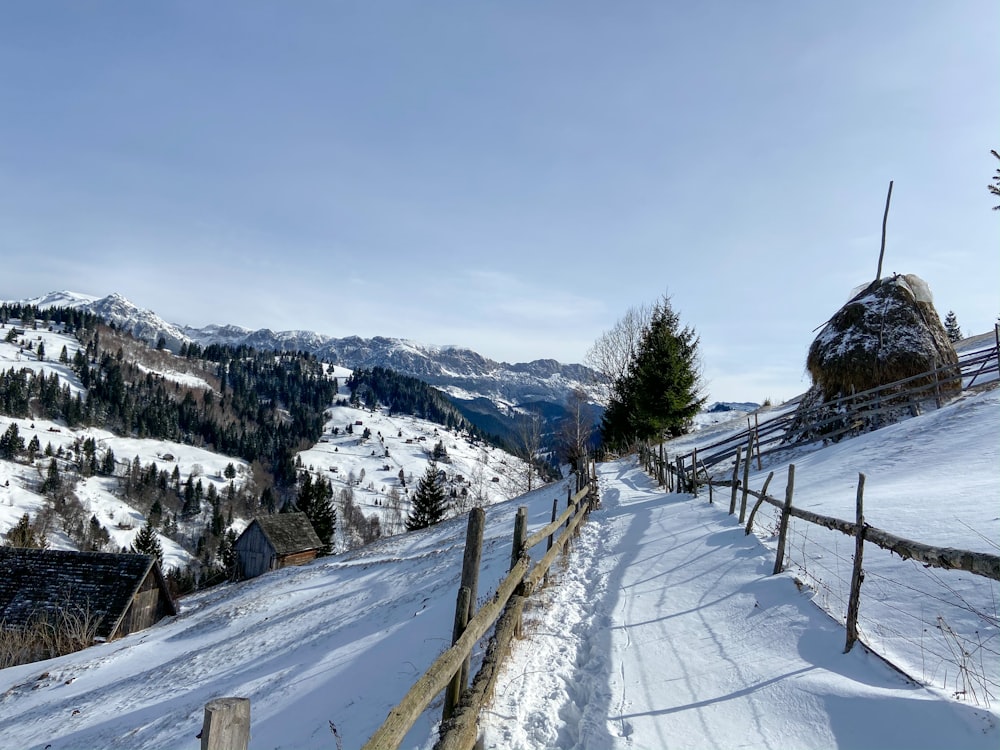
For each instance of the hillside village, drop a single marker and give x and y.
(372, 460)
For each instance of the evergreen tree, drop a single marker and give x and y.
(951, 327)
(11, 444)
(658, 393)
(53, 481)
(439, 453)
(314, 500)
(147, 542)
(34, 446)
(24, 534)
(429, 501)
(226, 554)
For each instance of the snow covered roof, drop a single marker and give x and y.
(288, 533)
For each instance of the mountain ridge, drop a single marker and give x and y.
(462, 373)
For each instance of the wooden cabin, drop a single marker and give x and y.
(272, 542)
(124, 592)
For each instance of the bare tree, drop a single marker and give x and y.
(994, 186)
(615, 350)
(575, 429)
(478, 483)
(527, 443)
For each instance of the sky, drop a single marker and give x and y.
(510, 177)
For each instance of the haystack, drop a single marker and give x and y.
(887, 332)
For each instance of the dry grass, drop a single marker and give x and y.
(48, 634)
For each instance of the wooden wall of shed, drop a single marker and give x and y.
(297, 558)
(147, 608)
(254, 552)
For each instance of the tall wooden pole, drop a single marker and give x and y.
(885, 218)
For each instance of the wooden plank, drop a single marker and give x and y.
(760, 500)
(402, 717)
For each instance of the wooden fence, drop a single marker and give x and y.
(977, 563)
(847, 415)
(449, 671)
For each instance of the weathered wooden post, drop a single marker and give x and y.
(756, 434)
(760, 501)
(857, 576)
(779, 561)
(694, 472)
(662, 481)
(555, 513)
(470, 570)
(746, 480)
(226, 725)
(736, 481)
(569, 501)
(454, 691)
(520, 535)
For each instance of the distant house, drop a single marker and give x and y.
(123, 592)
(272, 542)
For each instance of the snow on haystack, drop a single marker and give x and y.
(887, 332)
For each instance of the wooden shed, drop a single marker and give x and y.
(272, 542)
(124, 592)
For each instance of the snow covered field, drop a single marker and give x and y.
(340, 639)
(663, 627)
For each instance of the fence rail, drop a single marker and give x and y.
(503, 610)
(910, 393)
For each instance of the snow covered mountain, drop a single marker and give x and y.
(488, 390)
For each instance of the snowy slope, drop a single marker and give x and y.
(666, 629)
(340, 639)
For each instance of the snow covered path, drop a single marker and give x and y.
(666, 630)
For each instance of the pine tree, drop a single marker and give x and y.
(53, 481)
(951, 327)
(11, 444)
(147, 542)
(23, 534)
(429, 501)
(658, 393)
(314, 500)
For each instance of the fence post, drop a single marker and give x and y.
(470, 571)
(756, 507)
(457, 684)
(857, 576)
(736, 483)
(226, 725)
(694, 472)
(756, 434)
(555, 512)
(520, 535)
(663, 468)
(779, 562)
(746, 480)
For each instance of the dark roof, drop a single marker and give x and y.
(33, 581)
(289, 533)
